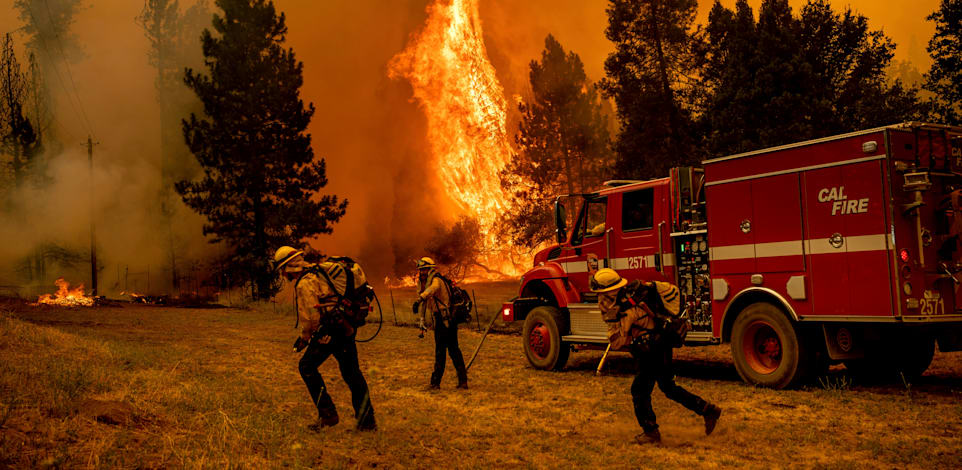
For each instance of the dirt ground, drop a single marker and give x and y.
(157, 387)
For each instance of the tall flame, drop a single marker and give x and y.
(448, 68)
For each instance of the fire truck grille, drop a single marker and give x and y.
(586, 321)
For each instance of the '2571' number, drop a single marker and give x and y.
(933, 307)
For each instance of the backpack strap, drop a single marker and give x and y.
(330, 282)
(347, 264)
(297, 314)
(447, 286)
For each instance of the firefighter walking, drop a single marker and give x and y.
(627, 309)
(434, 297)
(324, 333)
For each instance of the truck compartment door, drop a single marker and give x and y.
(731, 237)
(846, 242)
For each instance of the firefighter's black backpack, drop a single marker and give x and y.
(347, 280)
(663, 299)
(461, 303)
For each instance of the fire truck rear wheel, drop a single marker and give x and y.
(767, 349)
(541, 334)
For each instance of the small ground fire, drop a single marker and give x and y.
(66, 296)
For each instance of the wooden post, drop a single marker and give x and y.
(93, 229)
(477, 318)
(393, 310)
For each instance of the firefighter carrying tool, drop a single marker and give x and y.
(435, 296)
(627, 309)
(326, 332)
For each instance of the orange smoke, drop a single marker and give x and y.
(65, 296)
(448, 68)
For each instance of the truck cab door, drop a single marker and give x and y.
(588, 250)
(635, 240)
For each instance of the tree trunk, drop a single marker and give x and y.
(667, 93)
(262, 277)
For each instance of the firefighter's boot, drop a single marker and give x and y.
(711, 415)
(325, 419)
(366, 423)
(649, 437)
(463, 385)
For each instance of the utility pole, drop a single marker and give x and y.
(93, 231)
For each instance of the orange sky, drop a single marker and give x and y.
(364, 126)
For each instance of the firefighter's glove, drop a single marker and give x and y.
(417, 305)
(299, 344)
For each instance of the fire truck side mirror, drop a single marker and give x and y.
(561, 221)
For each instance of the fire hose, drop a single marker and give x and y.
(380, 321)
(485, 335)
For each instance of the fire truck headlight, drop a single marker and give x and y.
(904, 255)
(907, 288)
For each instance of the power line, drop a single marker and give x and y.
(66, 63)
(43, 44)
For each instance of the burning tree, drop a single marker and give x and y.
(562, 143)
(453, 80)
(260, 176)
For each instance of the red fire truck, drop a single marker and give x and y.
(841, 249)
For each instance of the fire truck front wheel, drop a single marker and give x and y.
(542, 332)
(766, 348)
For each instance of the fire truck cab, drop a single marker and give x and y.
(841, 249)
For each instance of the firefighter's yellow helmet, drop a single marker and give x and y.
(284, 255)
(425, 263)
(607, 279)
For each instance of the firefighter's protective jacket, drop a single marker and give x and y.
(435, 297)
(624, 325)
(314, 298)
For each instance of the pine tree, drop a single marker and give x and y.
(562, 143)
(260, 177)
(652, 76)
(786, 78)
(945, 77)
(47, 25)
(18, 139)
(172, 34)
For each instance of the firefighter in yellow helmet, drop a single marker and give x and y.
(434, 296)
(628, 308)
(323, 334)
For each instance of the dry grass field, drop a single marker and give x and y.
(159, 387)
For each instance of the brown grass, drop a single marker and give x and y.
(142, 386)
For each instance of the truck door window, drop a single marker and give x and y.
(595, 218)
(637, 210)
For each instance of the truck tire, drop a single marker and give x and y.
(767, 349)
(917, 357)
(541, 334)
